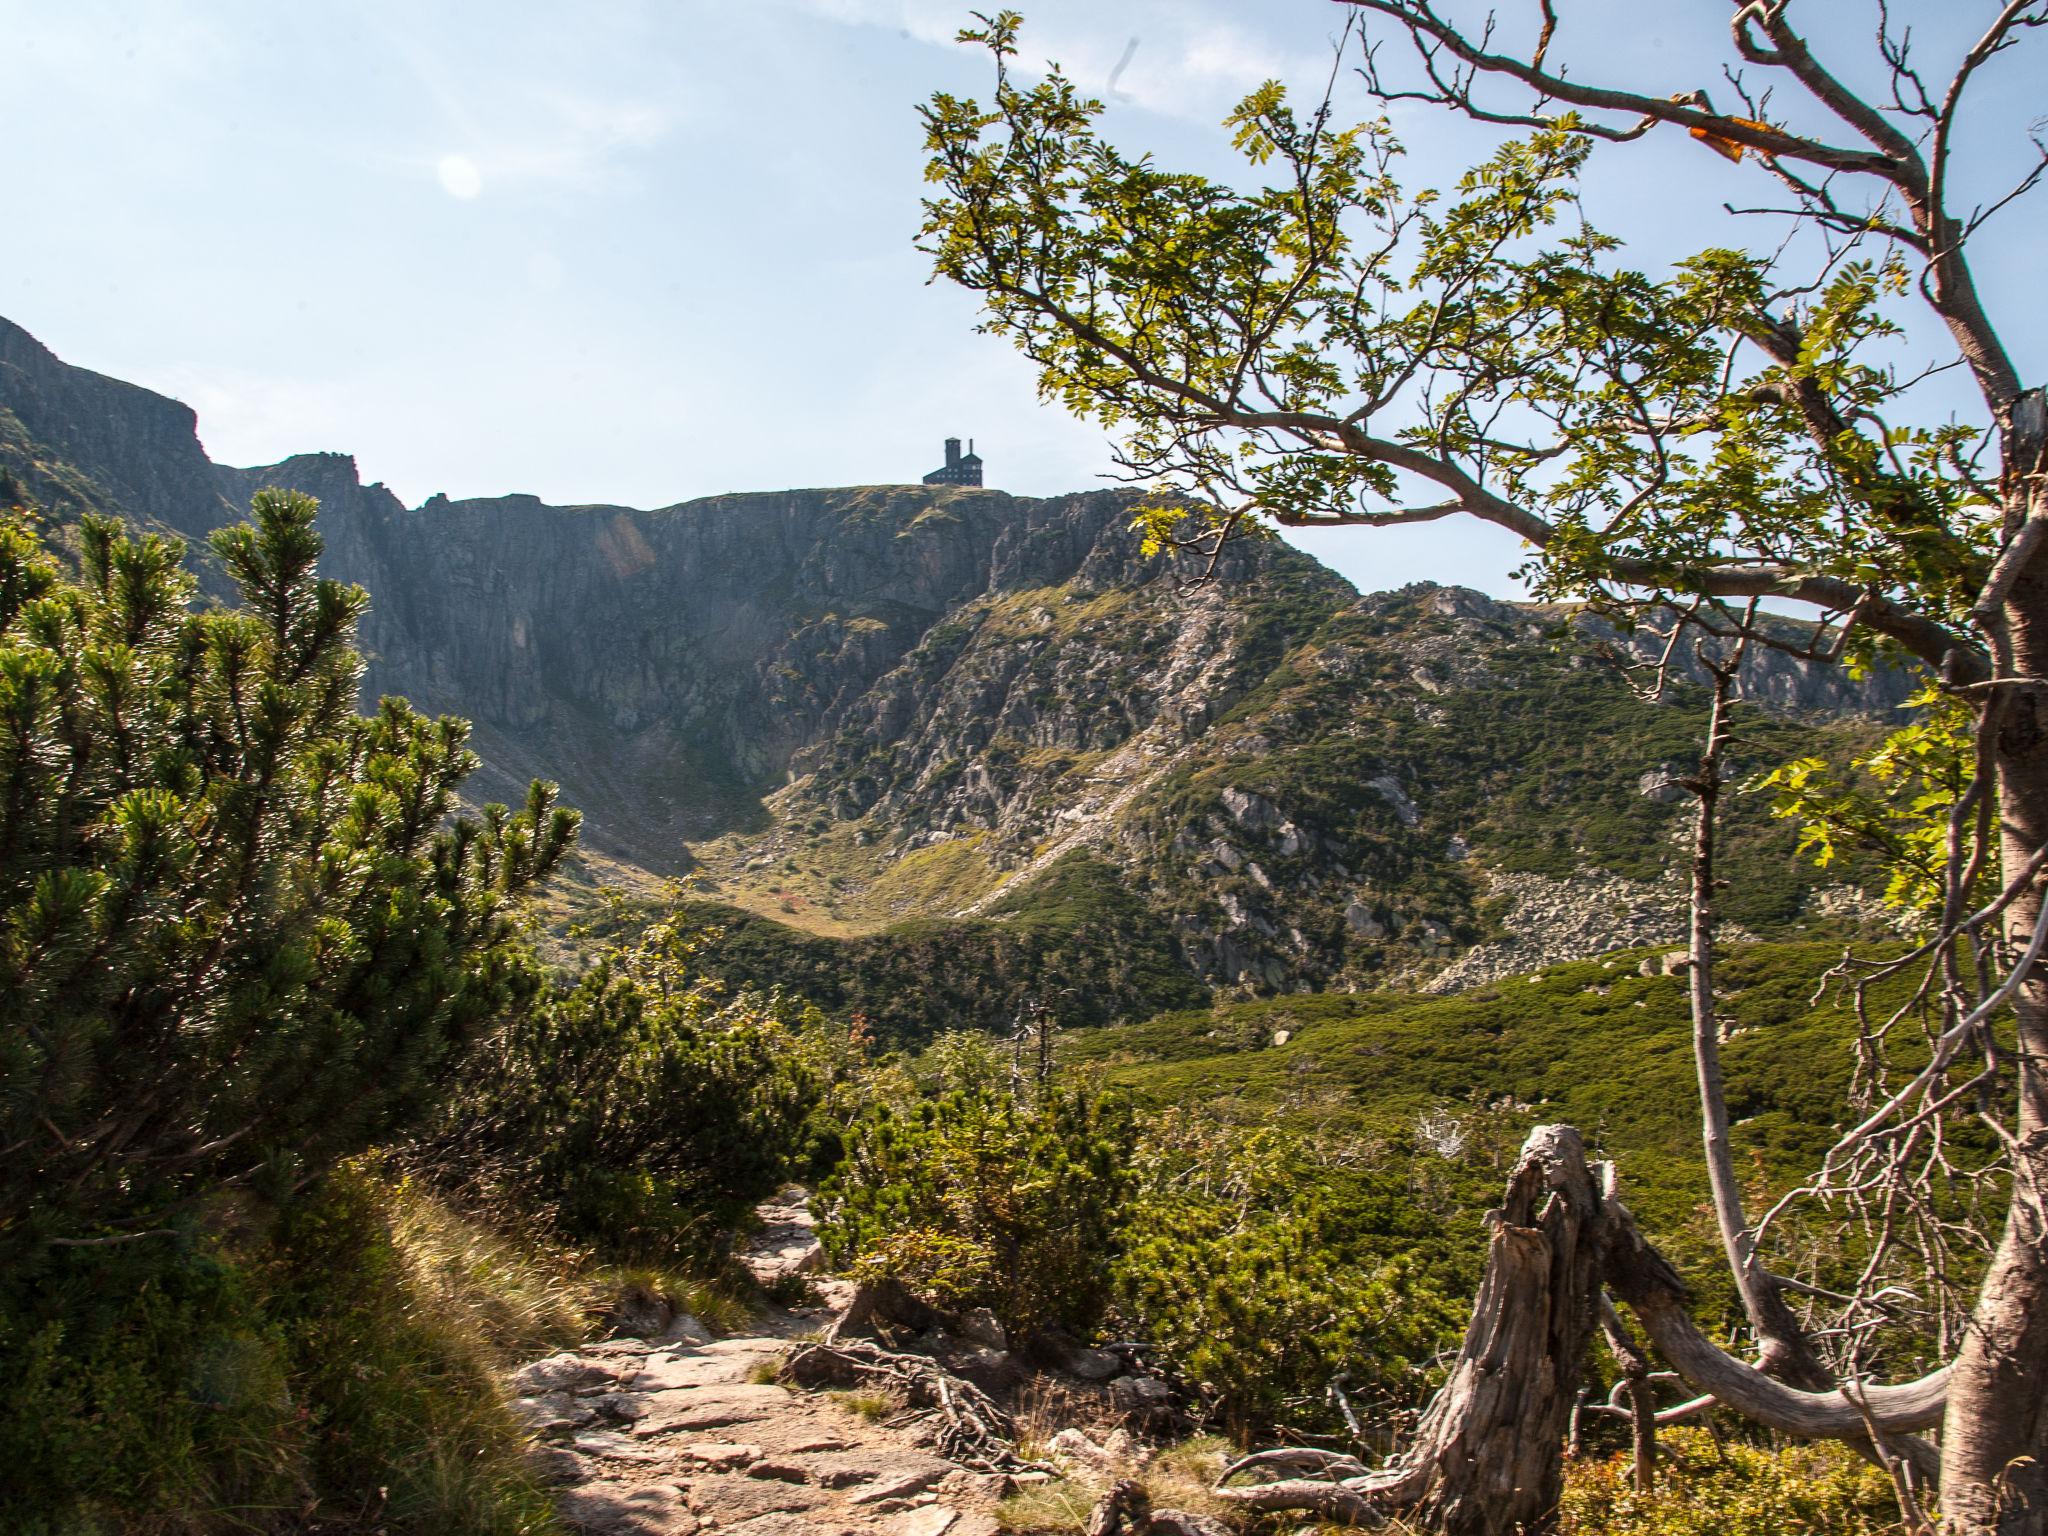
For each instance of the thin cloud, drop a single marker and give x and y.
(515, 133)
(1189, 63)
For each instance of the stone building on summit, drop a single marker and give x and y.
(960, 469)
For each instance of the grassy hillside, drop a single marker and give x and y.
(1593, 1043)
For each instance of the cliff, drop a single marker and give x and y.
(846, 708)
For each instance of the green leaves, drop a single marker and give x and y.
(1897, 804)
(232, 932)
(1316, 345)
(975, 1199)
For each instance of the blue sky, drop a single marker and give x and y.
(640, 252)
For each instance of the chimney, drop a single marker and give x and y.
(952, 451)
(970, 447)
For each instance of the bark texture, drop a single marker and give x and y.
(1488, 1456)
(1995, 1441)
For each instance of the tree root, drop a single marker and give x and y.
(1126, 1510)
(971, 1430)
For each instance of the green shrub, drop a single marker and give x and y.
(1259, 1277)
(240, 938)
(1710, 1488)
(637, 1109)
(975, 1199)
(306, 1372)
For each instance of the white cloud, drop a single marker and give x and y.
(1189, 62)
(514, 129)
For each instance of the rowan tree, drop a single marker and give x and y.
(1322, 347)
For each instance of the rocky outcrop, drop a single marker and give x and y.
(912, 701)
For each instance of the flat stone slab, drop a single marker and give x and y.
(571, 1373)
(711, 1408)
(613, 1447)
(904, 1483)
(551, 1412)
(677, 1370)
(932, 1520)
(787, 1524)
(718, 1455)
(725, 1499)
(646, 1511)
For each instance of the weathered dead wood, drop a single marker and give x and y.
(1640, 1276)
(1126, 1510)
(1642, 1402)
(972, 1430)
(1487, 1458)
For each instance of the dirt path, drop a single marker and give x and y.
(685, 1433)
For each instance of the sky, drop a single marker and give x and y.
(639, 251)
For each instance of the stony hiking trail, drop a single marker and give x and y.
(682, 1433)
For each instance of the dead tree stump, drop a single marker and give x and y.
(1488, 1456)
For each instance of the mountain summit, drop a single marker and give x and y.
(849, 709)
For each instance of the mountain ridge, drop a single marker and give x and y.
(845, 708)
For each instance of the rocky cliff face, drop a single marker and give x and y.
(849, 706)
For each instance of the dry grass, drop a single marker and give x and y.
(719, 1307)
(870, 1405)
(505, 1301)
(1179, 1476)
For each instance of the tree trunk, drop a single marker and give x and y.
(1488, 1456)
(1995, 1440)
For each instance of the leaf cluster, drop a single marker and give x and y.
(242, 930)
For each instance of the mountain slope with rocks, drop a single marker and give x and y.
(848, 711)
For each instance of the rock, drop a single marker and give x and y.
(641, 1314)
(1662, 785)
(684, 1329)
(553, 1411)
(1254, 812)
(612, 1447)
(557, 1466)
(622, 1406)
(1181, 1522)
(932, 1520)
(1143, 1397)
(1071, 1444)
(1676, 963)
(993, 1370)
(1361, 920)
(981, 1327)
(619, 1349)
(718, 1407)
(779, 1471)
(903, 1485)
(1091, 1364)
(719, 1455)
(568, 1372)
(1389, 789)
(725, 1500)
(644, 1511)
